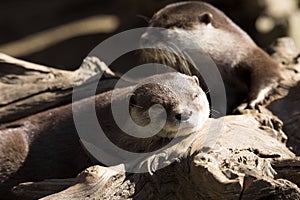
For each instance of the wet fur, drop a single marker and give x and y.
(248, 72)
(186, 97)
(46, 145)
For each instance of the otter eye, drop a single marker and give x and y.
(206, 18)
(195, 95)
(179, 26)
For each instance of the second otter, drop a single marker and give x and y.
(247, 71)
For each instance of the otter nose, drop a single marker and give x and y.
(183, 116)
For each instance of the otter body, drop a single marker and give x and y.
(46, 145)
(246, 69)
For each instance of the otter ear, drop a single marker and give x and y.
(131, 98)
(206, 18)
(196, 80)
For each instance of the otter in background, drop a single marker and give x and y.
(249, 74)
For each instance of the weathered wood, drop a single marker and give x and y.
(237, 165)
(97, 183)
(288, 169)
(93, 183)
(37, 190)
(27, 88)
(285, 103)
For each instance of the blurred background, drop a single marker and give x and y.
(60, 33)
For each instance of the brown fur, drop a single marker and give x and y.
(248, 72)
(176, 16)
(46, 145)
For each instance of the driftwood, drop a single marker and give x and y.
(287, 108)
(27, 88)
(234, 157)
(97, 181)
(239, 166)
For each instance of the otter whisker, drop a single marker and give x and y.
(170, 56)
(174, 47)
(177, 50)
(182, 58)
(137, 106)
(216, 111)
(147, 19)
(213, 115)
(175, 58)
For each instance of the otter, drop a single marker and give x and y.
(46, 145)
(185, 106)
(248, 72)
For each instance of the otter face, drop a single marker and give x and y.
(184, 102)
(198, 25)
(186, 24)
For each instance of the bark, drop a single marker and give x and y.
(96, 182)
(28, 88)
(238, 165)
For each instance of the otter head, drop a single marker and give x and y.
(194, 26)
(183, 100)
(184, 15)
(185, 24)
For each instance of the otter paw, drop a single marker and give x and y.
(244, 108)
(262, 96)
(273, 125)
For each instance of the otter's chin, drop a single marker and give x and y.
(177, 130)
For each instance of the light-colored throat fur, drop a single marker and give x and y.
(225, 48)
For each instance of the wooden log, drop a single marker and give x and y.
(285, 103)
(288, 169)
(236, 166)
(27, 88)
(95, 182)
(37, 190)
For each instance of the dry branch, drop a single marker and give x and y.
(93, 183)
(27, 88)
